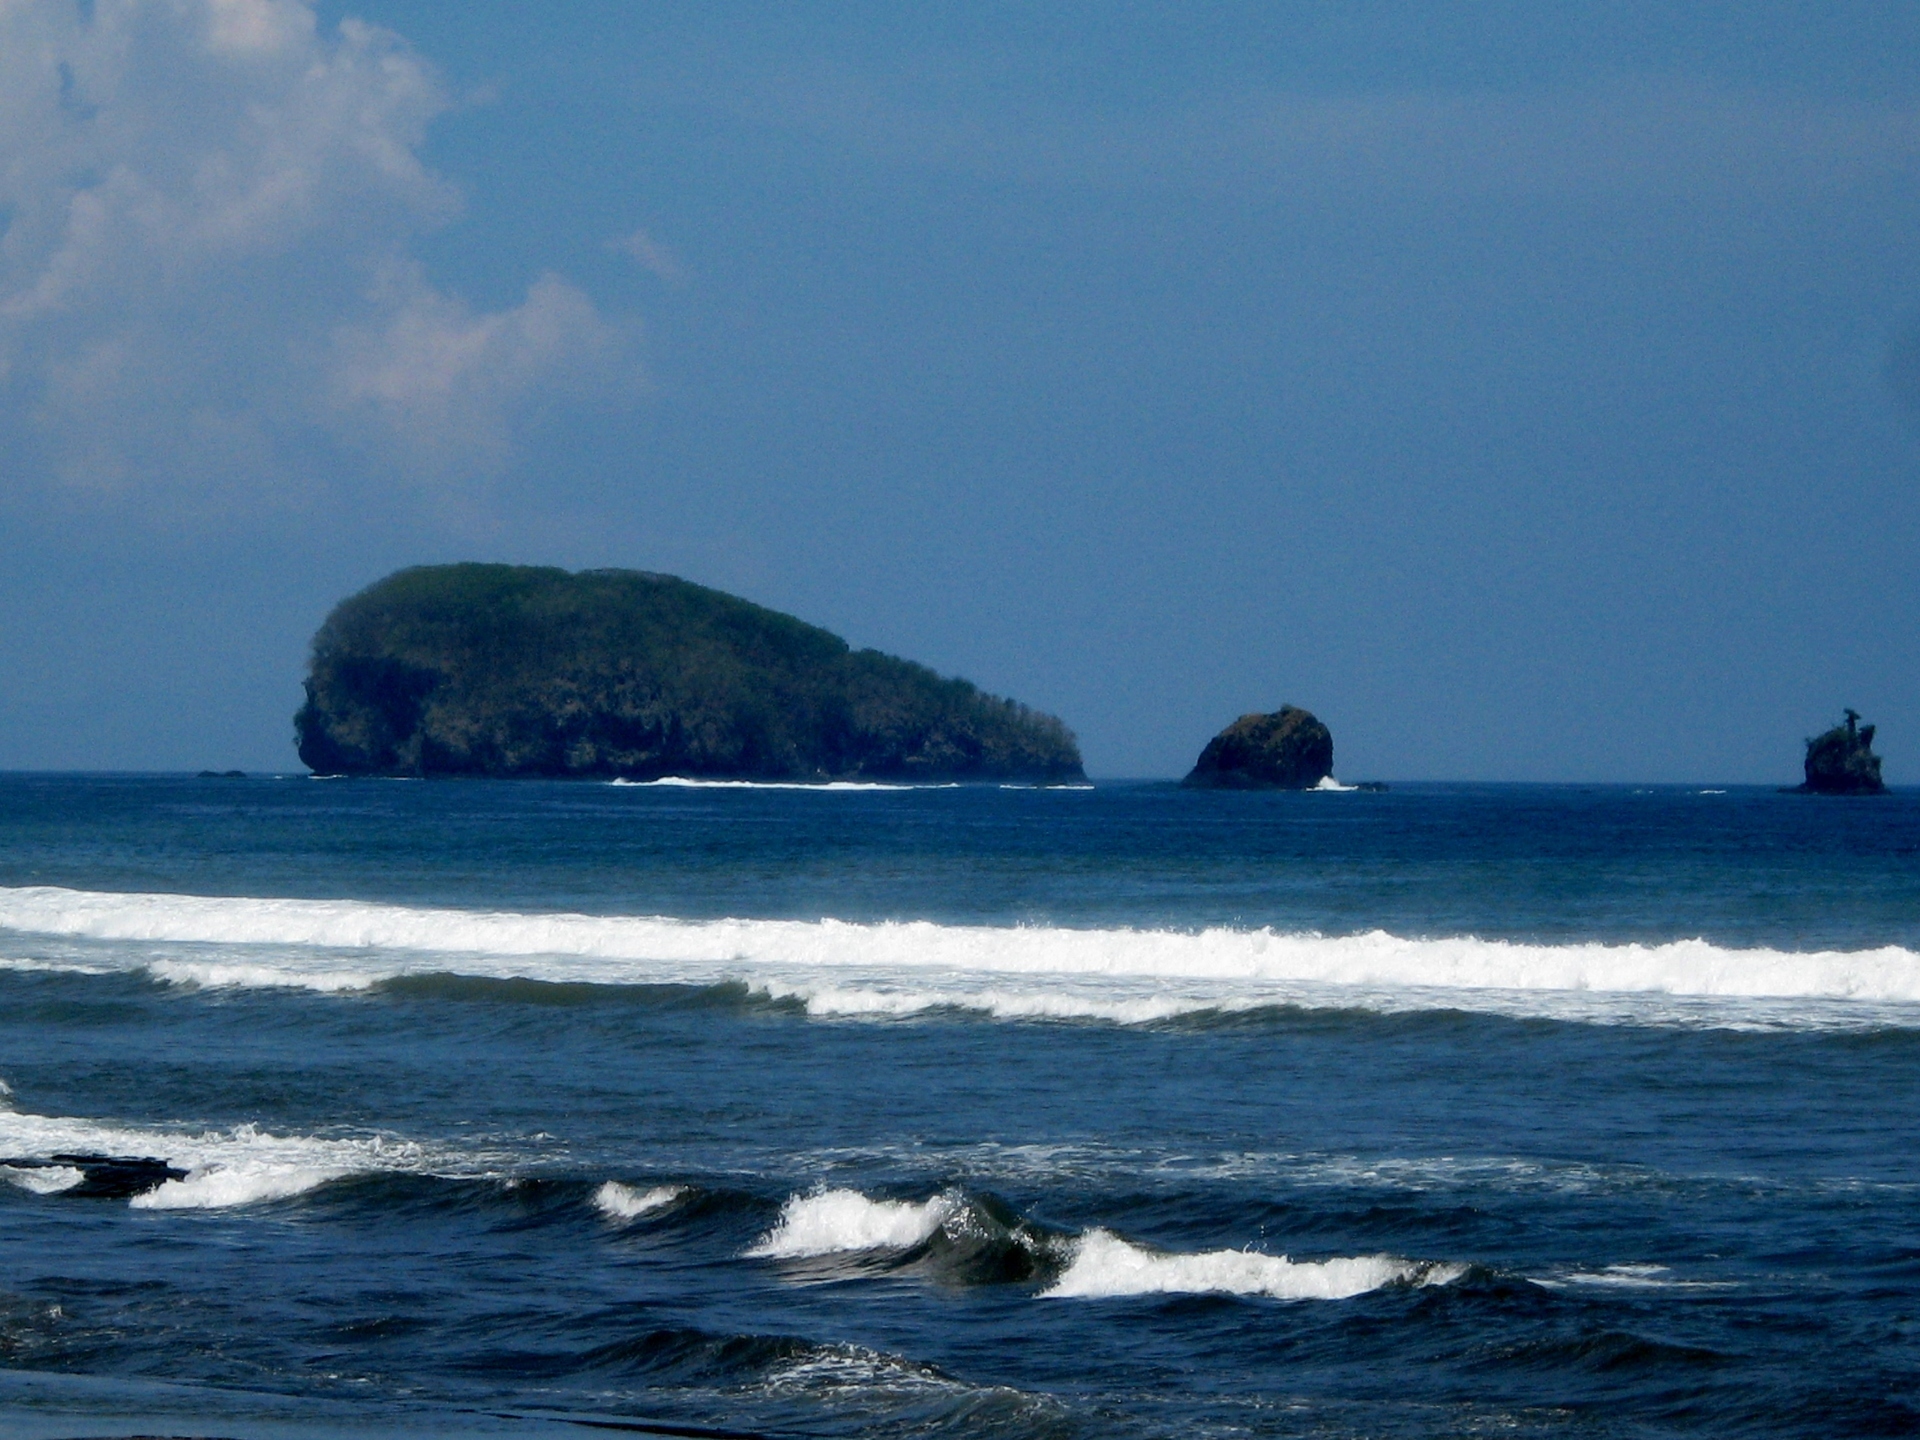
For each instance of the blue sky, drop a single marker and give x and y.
(1533, 391)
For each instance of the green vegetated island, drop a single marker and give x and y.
(514, 670)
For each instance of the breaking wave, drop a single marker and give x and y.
(623, 1202)
(223, 1168)
(839, 968)
(49, 1179)
(977, 1238)
(831, 1222)
(1105, 1266)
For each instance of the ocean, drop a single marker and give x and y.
(548, 1109)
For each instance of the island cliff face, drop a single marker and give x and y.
(1842, 762)
(511, 670)
(1287, 750)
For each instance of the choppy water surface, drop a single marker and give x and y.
(499, 1108)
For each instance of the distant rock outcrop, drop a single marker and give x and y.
(1842, 762)
(516, 670)
(1287, 750)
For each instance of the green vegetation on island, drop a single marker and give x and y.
(513, 670)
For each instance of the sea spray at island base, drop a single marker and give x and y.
(686, 782)
(832, 967)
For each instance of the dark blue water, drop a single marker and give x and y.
(1575, 1111)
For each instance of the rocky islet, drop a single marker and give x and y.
(1841, 761)
(1287, 750)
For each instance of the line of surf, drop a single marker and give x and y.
(684, 782)
(1095, 1265)
(896, 968)
(1104, 1266)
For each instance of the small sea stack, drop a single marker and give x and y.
(1841, 761)
(1287, 750)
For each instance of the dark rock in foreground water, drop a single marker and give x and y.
(1287, 750)
(103, 1177)
(1842, 762)
(519, 670)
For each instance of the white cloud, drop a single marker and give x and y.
(650, 255)
(206, 208)
(440, 381)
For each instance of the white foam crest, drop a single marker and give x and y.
(623, 1202)
(1630, 1277)
(215, 975)
(219, 1187)
(224, 1168)
(43, 1180)
(833, 1369)
(830, 1222)
(899, 967)
(1003, 1003)
(682, 782)
(1132, 1000)
(1104, 1266)
(1327, 782)
(54, 967)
